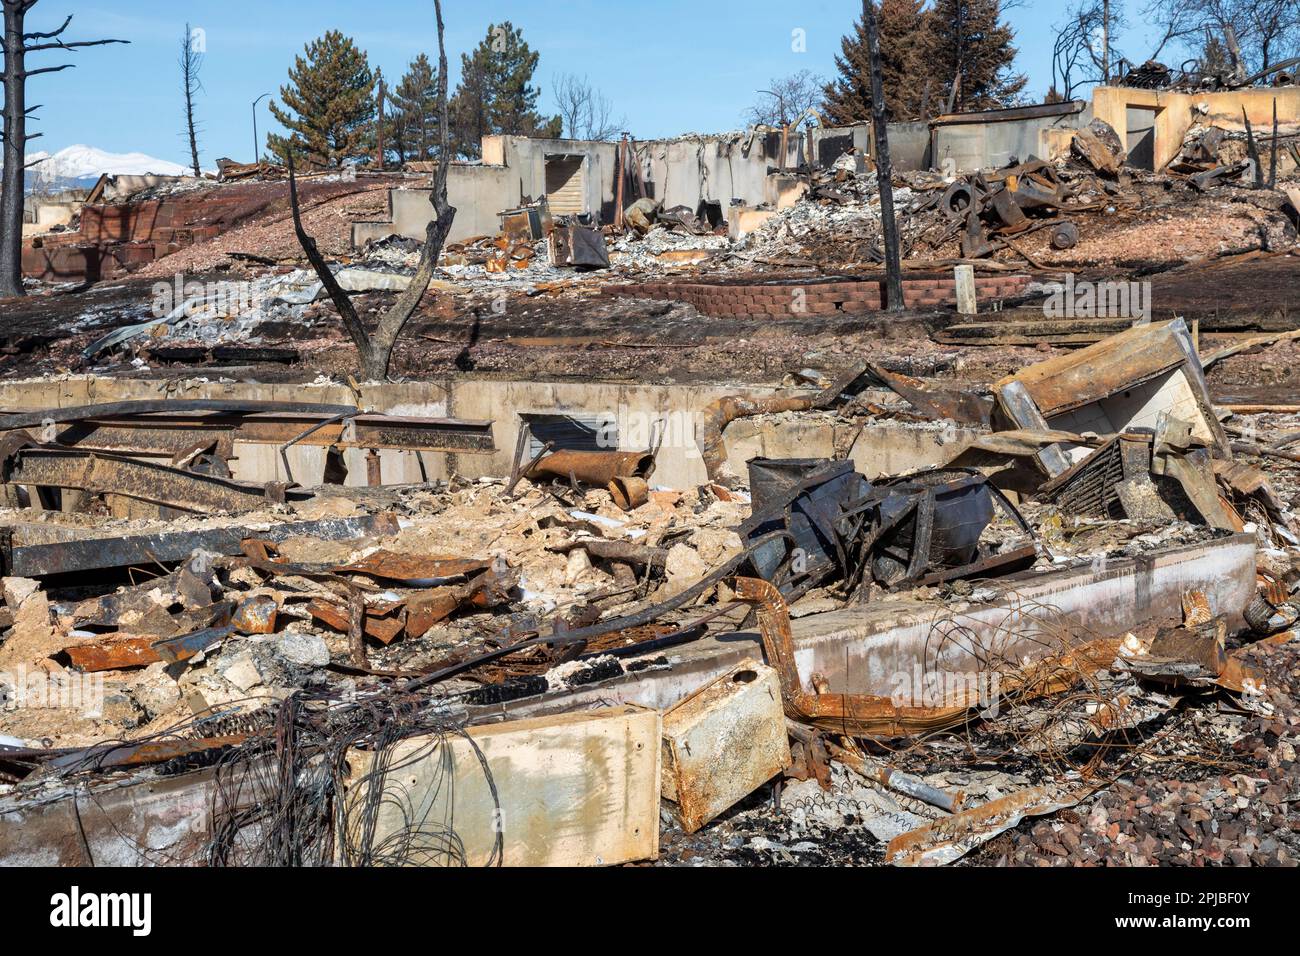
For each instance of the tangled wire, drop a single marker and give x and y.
(328, 785)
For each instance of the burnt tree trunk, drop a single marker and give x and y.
(884, 170)
(15, 141)
(17, 44)
(376, 348)
(190, 62)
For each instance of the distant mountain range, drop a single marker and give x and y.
(80, 166)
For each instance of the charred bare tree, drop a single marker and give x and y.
(376, 348)
(14, 137)
(1082, 52)
(884, 172)
(191, 61)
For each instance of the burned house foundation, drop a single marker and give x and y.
(665, 538)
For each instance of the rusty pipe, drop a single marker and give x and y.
(904, 783)
(717, 415)
(596, 468)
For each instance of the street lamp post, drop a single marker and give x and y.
(257, 144)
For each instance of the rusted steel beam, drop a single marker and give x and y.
(107, 757)
(391, 566)
(104, 473)
(167, 433)
(42, 559)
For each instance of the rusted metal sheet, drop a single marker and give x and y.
(177, 649)
(385, 630)
(1088, 375)
(431, 608)
(105, 473)
(952, 837)
(936, 402)
(490, 589)
(597, 468)
(723, 742)
(391, 566)
(115, 653)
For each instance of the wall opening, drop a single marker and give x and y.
(571, 432)
(566, 185)
(1141, 123)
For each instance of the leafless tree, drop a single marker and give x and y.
(1261, 29)
(586, 112)
(191, 61)
(376, 348)
(1082, 52)
(14, 138)
(786, 99)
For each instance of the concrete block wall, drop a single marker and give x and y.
(637, 408)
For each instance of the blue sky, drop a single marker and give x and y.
(669, 66)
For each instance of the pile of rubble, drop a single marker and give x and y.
(409, 622)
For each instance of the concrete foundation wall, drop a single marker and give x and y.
(682, 172)
(909, 144)
(478, 193)
(678, 172)
(1177, 112)
(879, 449)
(526, 159)
(883, 647)
(993, 142)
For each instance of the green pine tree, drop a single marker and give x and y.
(968, 38)
(496, 95)
(903, 26)
(329, 104)
(413, 107)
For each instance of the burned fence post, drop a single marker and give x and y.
(884, 171)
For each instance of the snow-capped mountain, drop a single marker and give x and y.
(87, 163)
